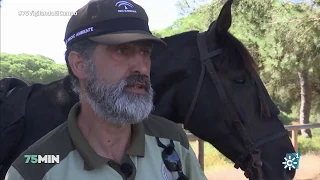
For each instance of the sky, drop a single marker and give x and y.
(45, 34)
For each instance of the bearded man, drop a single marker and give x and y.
(110, 134)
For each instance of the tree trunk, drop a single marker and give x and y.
(305, 101)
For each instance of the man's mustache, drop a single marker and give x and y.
(142, 79)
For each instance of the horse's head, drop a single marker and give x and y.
(207, 81)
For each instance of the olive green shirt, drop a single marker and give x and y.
(78, 161)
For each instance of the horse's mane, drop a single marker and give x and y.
(248, 60)
(181, 38)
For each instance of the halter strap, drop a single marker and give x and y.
(205, 64)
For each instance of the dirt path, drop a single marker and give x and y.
(309, 169)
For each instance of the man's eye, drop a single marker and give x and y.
(146, 52)
(122, 51)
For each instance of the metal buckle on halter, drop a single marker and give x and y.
(256, 160)
(257, 163)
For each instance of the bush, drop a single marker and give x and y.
(307, 145)
(316, 133)
(213, 159)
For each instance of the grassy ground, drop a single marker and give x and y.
(310, 146)
(214, 160)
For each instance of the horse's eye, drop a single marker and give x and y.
(240, 80)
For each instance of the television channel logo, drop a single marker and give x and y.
(291, 161)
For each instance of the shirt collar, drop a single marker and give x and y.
(91, 158)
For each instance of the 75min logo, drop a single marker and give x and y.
(38, 159)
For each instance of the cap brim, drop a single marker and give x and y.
(125, 37)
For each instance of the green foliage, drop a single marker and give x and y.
(307, 145)
(295, 36)
(315, 112)
(284, 118)
(31, 68)
(213, 159)
(316, 133)
(293, 45)
(197, 20)
(186, 7)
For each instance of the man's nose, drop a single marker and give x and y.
(140, 64)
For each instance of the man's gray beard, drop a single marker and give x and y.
(113, 104)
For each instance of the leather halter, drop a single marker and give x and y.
(254, 152)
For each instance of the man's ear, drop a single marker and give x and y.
(77, 65)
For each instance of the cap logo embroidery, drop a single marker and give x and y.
(126, 5)
(81, 32)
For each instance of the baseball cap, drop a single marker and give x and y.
(109, 22)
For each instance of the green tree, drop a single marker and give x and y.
(293, 47)
(31, 68)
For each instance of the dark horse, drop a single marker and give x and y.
(205, 81)
(8, 85)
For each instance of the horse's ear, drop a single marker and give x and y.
(221, 26)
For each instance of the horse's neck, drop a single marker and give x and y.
(51, 89)
(170, 61)
(170, 67)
